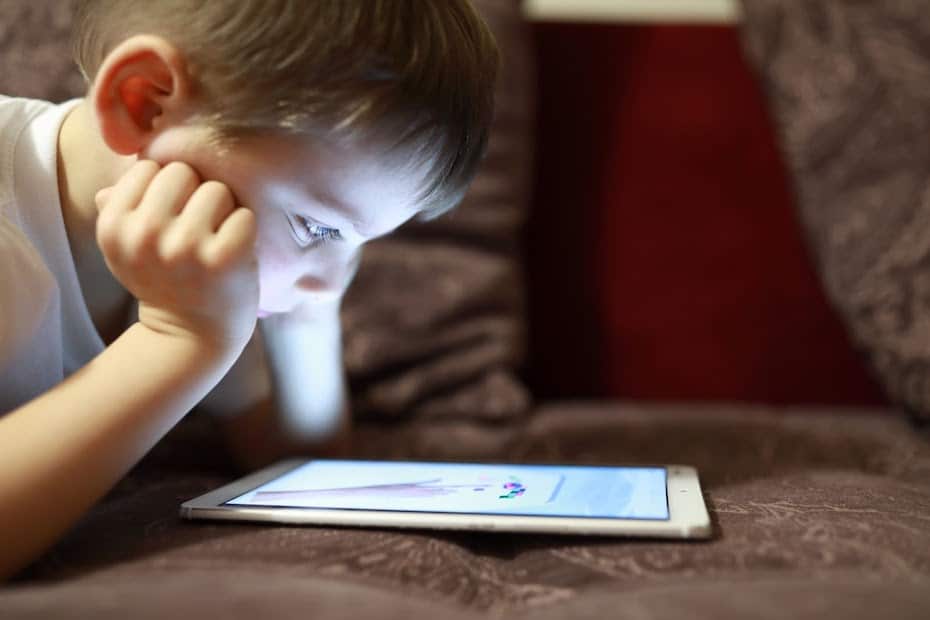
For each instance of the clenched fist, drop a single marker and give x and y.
(184, 249)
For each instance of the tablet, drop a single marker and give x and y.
(662, 501)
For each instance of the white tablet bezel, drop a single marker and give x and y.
(688, 516)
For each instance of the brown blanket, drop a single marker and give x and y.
(817, 514)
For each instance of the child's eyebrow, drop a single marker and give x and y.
(342, 211)
(342, 214)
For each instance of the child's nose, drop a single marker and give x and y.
(329, 282)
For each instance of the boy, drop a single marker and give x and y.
(228, 163)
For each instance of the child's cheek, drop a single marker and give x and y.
(272, 269)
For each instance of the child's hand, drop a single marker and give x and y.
(184, 250)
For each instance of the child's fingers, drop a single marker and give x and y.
(235, 237)
(128, 191)
(206, 210)
(101, 197)
(168, 192)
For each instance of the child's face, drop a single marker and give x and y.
(315, 206)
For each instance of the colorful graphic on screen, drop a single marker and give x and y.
(540, 490)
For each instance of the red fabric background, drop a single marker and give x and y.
(665, 260)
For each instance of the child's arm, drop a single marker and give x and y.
(193, 271)
(62, 451)
(306, 412)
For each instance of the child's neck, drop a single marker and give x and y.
(85, 166)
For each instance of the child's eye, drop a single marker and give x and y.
(310, 232)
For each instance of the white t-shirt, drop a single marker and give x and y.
(46, 331)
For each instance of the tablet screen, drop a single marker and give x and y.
(529, 490)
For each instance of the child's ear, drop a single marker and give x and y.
(141, 88)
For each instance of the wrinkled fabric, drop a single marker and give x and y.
(849, 87)
(815, 511)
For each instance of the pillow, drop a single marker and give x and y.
(434, 322)
(35, 51)
(849, 85)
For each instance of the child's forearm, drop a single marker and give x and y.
(64, 450)
(305, 358)
(257, 436)
(307, 412)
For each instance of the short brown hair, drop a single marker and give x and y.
(412, 74)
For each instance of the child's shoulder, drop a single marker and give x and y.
(14, 109)
(16, 114)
